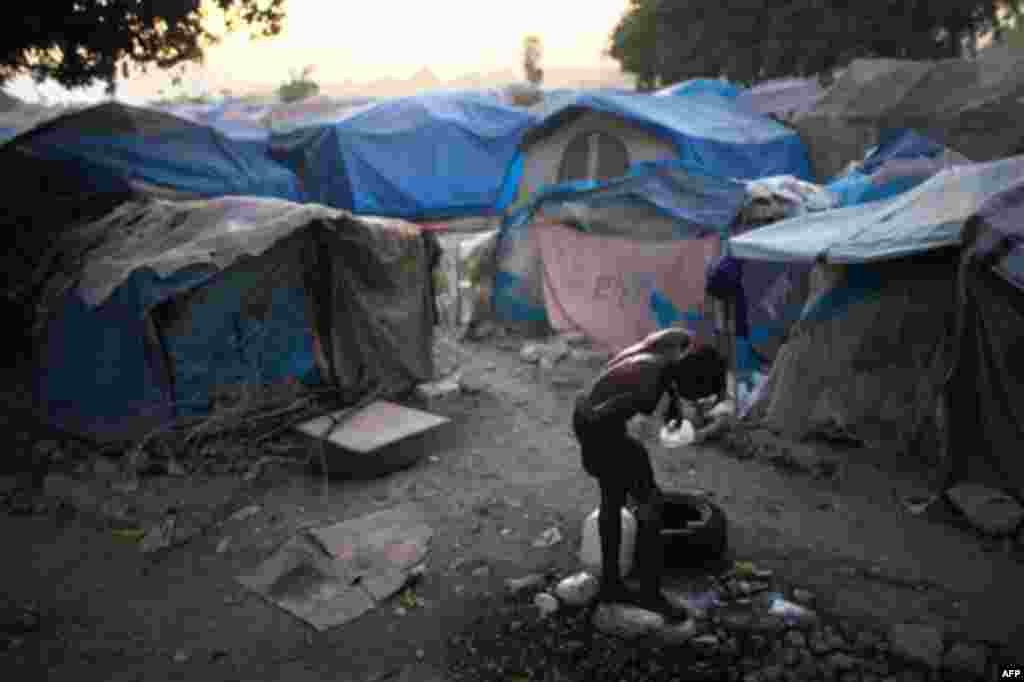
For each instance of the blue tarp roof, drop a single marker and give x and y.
(710, 132)
(430, 156)
(700, 202)
(112, 144)
(696, 86)
(927, 217)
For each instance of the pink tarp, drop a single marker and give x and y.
(602, 285)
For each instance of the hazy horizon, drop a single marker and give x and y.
(368, 42)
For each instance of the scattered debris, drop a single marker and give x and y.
(552, 536)
(332, 575)
(181, 656)
(223, 545)
(792, 614)
(579, 589)
(675, 634)
(546, 604)
(918, 504)
(246, 513)
(440, 390)
(160, 536)
(628, 622)
(516, 586)
(803, 597)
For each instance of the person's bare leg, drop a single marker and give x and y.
(609, 523)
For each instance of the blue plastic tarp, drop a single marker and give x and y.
(192, 159)
(701, 86)
(430, 156)
(710, 132)
(928, 217)
(1004, 216)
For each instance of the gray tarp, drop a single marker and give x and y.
(974, 106)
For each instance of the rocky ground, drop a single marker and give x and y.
(98, 586)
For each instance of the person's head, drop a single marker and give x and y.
(701, 373)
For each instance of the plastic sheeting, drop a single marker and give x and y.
(930, 216)
(159, 304)
(424, 157)
(867, 361)
(712, 132)
(984, 402)
(783, 97)
(974, 106)
(116, 145)
(701, 86)
(658, 202)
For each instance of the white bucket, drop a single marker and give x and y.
(590, 544)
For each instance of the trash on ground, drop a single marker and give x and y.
(792, 614)
(245, 513)
(375, 440)
(990, 511)
(129, 534)
(435, 390)
(160, 536)
(527, 582)
(546, 604)
(628, 622)
(590, 543)
(552, 536)
(579, 589)
(674, 436)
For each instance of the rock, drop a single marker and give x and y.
(530, 354)
(578, 590)
(917, 643)
(991, 511)
(546, 604)
(966, 659)
(628, 622)
(245, 513)
(803, 597)
(223, 545)
(706, 644)
(516, 586)
(181, 656)
(481, 571)
(797, 639)
(677, 633)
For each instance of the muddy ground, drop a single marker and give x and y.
(508, 471)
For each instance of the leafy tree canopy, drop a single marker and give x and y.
(80, 42)
(752, 40)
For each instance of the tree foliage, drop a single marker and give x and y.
(751, 40)
(299, 87)
(533, 50)
(80, 42)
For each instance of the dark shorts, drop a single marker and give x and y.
(612, 456)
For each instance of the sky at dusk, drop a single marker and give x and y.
(365, 41)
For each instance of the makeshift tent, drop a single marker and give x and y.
(318, 110)
(159, 304)
(974, 106)
(425, 157)
(599, 135)
(114, 146)
(870, 353)
(784, 98)
(617, 259)
(984, 403)
(902, 161)
(242, 122)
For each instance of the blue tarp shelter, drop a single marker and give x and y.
(424, 157)
(701, 86)
(709, 132)
(113, 146)
(655, 201)
(159, 307)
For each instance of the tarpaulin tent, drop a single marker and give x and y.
(619, 258)
(903, 160)
(974, 106)
(425, 157)
(158, 305)
(984, 401)
(870, 352)
(599, 135)
(112, 146)
(784, 97)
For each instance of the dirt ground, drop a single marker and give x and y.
(508, 471)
